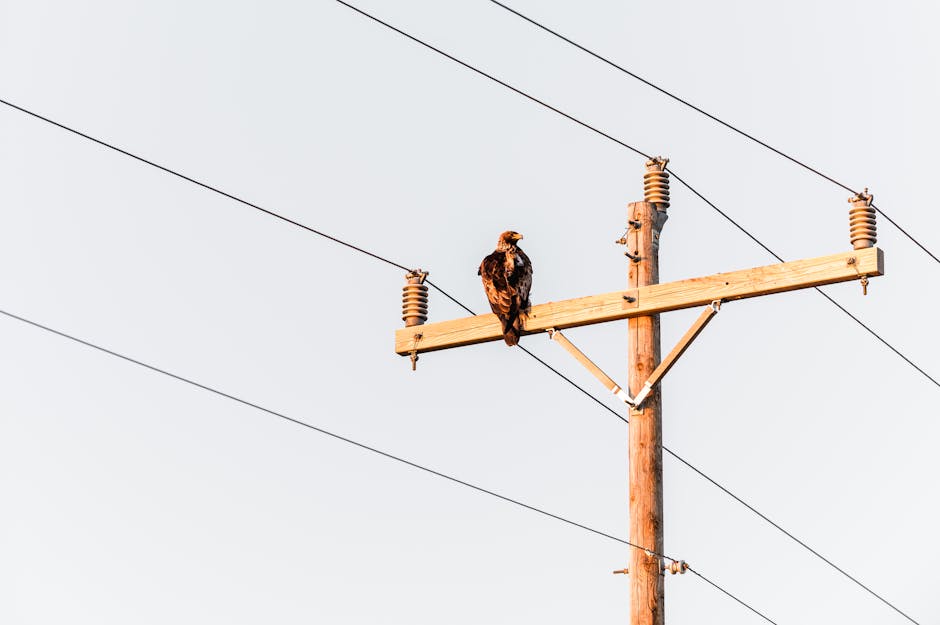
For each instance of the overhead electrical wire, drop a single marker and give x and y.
(439, 289)
(631, 148)
(815, 288)
(310, 426)
(712, 117)
(285, 219)
(457, 302)
(718, 485)
(709, 203)
(369, 448)
(710, 582)
(453, 299)
(219, 191)
(199, 183)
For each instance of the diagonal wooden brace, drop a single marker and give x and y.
(658, 372)
(677, 351)
(596, 371)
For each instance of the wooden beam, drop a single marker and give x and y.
(652, 299)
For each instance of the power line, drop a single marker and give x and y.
(369, 448)
(464, 307)
(905, 232)
(876, 335)
(629, 147)
(199, 183)
(815, 288)
(791, 537)
(739, 500)
(470, 311)
(310, 426)
(713, 206)
(496, 80)
(714, 585)
(226, 194)
(393, 263)
(240, 200)
(710, 116)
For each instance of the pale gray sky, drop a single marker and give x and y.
(130, 497)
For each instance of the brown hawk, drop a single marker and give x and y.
(507, 278)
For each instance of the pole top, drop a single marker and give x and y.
(416, 276)
(657, 163)
(859, 198)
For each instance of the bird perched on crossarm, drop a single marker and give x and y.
(507, 278)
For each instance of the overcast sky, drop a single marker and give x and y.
(130, 497)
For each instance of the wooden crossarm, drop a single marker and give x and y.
(648, 300)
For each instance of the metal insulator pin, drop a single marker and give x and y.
(622, 572)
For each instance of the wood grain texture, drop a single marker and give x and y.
(651, 299)
(645, 433)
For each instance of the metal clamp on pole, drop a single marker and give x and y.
(596, 371)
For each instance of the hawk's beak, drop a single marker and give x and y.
(517, 237)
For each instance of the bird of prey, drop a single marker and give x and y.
(507, 278)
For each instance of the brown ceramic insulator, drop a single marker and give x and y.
(414, 301)
(862, 228)
(656, 182)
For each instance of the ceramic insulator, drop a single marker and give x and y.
(656, 182)
(862, 229)
(414, 300)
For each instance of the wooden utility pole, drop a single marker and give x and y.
(641, 303)
(646, 422)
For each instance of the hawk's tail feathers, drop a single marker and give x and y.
(512, 330)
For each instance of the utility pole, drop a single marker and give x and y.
(641, 303)
(646, 220)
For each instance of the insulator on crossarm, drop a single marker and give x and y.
(414, 299)
(862, 229)
(656, 182)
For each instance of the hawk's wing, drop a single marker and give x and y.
(496, 285)
(523, 280)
